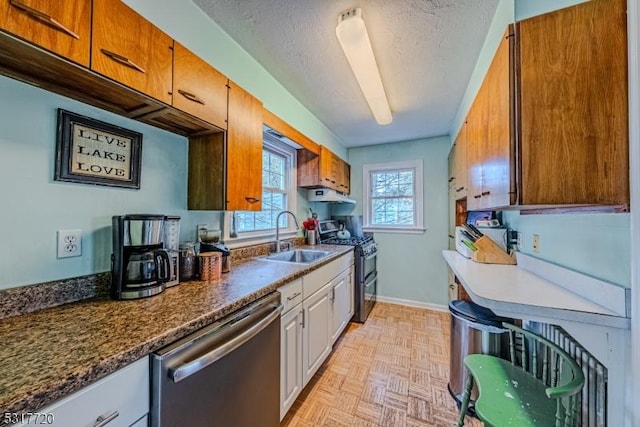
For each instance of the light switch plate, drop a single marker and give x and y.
(69, 243)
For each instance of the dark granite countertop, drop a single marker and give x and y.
(48, 354)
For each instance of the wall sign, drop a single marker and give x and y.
(93, 152)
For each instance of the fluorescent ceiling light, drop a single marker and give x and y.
(354, 40)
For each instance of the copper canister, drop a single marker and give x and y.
(210, 265)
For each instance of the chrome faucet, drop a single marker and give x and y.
(278, 227)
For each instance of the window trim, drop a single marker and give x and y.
(416, 165)
(262, 236)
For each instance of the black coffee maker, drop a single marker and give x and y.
(140, 266)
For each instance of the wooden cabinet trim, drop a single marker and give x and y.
(279, 125)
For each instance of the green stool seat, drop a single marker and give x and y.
(509, 396)
(539, 386)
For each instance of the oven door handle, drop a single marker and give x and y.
(369, 281)
(187, 369)
(373, 255)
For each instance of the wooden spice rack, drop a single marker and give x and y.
(488, 252)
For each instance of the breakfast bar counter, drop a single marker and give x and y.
(512, 291)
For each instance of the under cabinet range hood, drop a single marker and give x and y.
(328, 195)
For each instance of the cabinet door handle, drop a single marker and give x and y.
(486, 193)
(41, 16)
(477, 196)
(252, 199)
(451, 179)
(103, 420)
(302, 322)
(333, 294)
(123, 60)
(294, 296)
(459, 189)
(190, 96)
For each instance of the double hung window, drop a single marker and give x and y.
(393, 196)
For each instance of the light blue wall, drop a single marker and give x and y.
(186, 23)
(527, 8)
(504, 16)
(596, 244)
(410, 266)
(34, 206)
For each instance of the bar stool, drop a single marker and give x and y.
(538, 387)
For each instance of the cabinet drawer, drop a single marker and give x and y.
(291, 294)
(63, 27)
(125, 393)
(130, 50)
(198, 88)
(323, 275)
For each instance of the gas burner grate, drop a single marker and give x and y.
(353, 241)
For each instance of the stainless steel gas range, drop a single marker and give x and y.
(365, 252)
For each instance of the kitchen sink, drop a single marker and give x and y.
(298, 256)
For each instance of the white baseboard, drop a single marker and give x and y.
(410, 303)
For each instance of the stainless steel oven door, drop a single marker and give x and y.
(366, 291)
(367, 267)
(370, 292)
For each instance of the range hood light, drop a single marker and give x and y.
(328, 195)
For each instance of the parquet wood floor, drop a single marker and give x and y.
(391, 371)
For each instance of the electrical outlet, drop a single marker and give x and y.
(69, 243)
(536, 243)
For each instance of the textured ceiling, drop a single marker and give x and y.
(426, 51)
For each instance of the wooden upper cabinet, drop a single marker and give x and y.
(487, 135)
(497, 163)
(328, 176)
(244, 151)
(458, 164)
(574, 105)
(62, 27)
(198, 88)
(130, 50)
(476, 137)
(549, 125)
(323, 170)
(345, 181)
(451, 166)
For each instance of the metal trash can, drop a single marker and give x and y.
(474, 329)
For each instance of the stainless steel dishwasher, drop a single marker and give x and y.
(226, 374)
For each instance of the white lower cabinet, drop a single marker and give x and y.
(118, 400)
(290, 358)
(316, 340)
(342, 295)
(310, 328)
